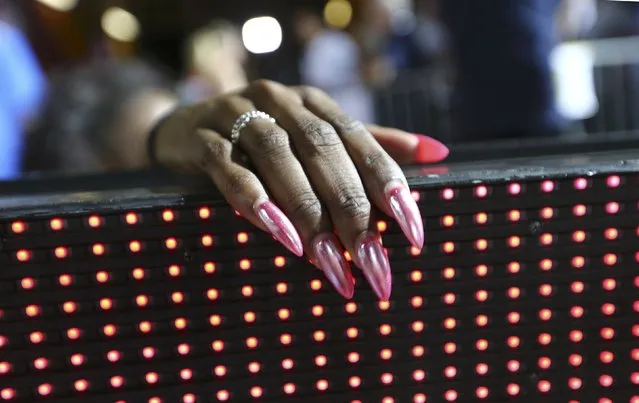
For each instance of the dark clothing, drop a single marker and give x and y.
(504, 86)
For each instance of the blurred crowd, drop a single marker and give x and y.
(391, 62)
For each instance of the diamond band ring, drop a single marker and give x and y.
(244, 120)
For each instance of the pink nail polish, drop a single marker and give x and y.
(330, 259)
(374, 263)
(407, 214)
(429, 150)
(280, 226)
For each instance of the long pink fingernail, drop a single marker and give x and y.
(374, 263)
(280, 226)
(407, 214)
(329, 257)
(429, 150)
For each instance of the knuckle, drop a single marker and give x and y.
(320, 134)
(306, 207)
(347, 124)
(353, 203)
(266, 88)
(311, 93)
(376, 160)
(270, 140)
(238, 182)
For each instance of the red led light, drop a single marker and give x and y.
(613, 181)
(448, 247)
(81, 385)
(481, 191)
(316, 285)
(514, 215)
(256, 392)
(131, 218)
(544, 362)
(607, 333)
(481, 295)
(579, 210)
(606, 357)
(449, 298)
(481, 218)
(7, 393)
(171, 243)
(77, 359)
(606, 381)
(481, 345)
(575, 360)
(450, 395)
(382, 226)
(481, 244)
(94, 221)
(448, 221)
(419, 398)
(448, 194)
(36, 337)
(387, 378)
(18, 227)
(145, 326)
(354, 381)
(609, 284)
(40, 363)
(514, 318)
(544, 386)
(56, 224)
(514, 189)
(113, 356)
(580, 183)
(45, 389)
(513, 365)
(117, 381)
(514, 292)
(177, 297)
(168, 215)
(223, 395)
(135, 246)
(151, 378)
(482, 392)
(321, 385)
(23, 255)
(450, 372)
(612, 207)
(544, 339)
(206, 241)
(481, 320)
(547, 213)
(547, 186)
(419, 375)
(448, 273)
(513, 389)
(5, 367)
(418, 351)
(242, 237)
(252, 342)
(289, 388)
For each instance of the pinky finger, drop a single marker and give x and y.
(244, 191)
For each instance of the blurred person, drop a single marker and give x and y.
(288, 159)
(215, 61)
(332, 61)
(503, 85)
(22, 87)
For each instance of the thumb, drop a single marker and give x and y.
(407, 148)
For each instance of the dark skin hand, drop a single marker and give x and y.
(311, 178)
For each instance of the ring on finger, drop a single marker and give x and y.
(246, 118)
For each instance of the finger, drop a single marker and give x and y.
(333, 176)
(407, 148)
(243, 190)
(383, 178)
(268, 147)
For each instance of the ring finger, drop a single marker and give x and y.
(267, 146)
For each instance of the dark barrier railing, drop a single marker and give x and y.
(526, 290)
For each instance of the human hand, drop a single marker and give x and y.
(310, 178)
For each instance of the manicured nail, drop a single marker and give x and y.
(280, 226)
(406, 213)
(329, 257)
(374, 263)
(429, 150)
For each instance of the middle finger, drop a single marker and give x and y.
(334, 177)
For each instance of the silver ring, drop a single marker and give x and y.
(244, 120)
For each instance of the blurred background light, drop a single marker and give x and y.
(338, 14)
(120, 25)
(60, 5)
(262, 35)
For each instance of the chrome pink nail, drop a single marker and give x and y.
(280, 226)
(374, 263)
(329, 257)
(429, 150)
(407, 214)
